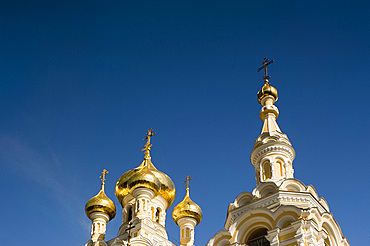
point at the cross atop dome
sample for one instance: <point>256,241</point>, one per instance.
<point>187,181</point>
<point>265,63</point>
<point>150,133</point>
<point>105,172</point>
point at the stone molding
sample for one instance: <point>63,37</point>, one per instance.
<point>298,199</point>
<point>270,148</point>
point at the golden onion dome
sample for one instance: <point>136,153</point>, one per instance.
<point>267,90</point>
<point>187,208</point>
<point>168,190</point>
<point>101,203</point>
<point>140,177</point>
<point>148,176</point>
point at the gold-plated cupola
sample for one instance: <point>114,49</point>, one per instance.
<point>187,208</point>
<point>146,176</point>
<point>100,202</point>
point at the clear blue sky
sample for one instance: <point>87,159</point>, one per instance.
<point>81,82</point>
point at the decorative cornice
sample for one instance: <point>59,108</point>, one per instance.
<point>298,199</point>
<point>263,150</point>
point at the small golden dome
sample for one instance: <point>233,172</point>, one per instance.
<point>101,203</point>
<point>187,208</point>
<point>267,90</point>
<point>148,176</point>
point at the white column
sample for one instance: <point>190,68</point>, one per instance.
<point>143,198</point>
<point>187,226</point>
<point>98,227</point>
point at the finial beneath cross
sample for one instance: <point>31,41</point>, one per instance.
<point>187,180</point>
<point>105,172</point>
<point>265,63</point>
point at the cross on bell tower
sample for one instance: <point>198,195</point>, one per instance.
<point>265,63</point>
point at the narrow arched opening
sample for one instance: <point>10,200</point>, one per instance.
<point>280,169</point>
<point>129,214</point>
<point>267,174</point>
<point>157,215</point>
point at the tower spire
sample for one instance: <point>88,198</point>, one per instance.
<point>272,153</point>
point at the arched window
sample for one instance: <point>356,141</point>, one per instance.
<point>157,215</point>
<point>257,238</point>
<point>266,167</point>
<point>280,168</point>
<point>129,214</point>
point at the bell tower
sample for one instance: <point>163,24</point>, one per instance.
<point>281,210</point>
<point>272,154</point>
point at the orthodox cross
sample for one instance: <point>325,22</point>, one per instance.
<point>150,133</point>
<point>103,176</point>
<point>265,63</point>
<point>130,226</point>
<point>188,178</point>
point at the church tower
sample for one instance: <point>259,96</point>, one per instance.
<point>281,210</point>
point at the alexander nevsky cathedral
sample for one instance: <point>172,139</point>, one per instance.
<point>280,211</point>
